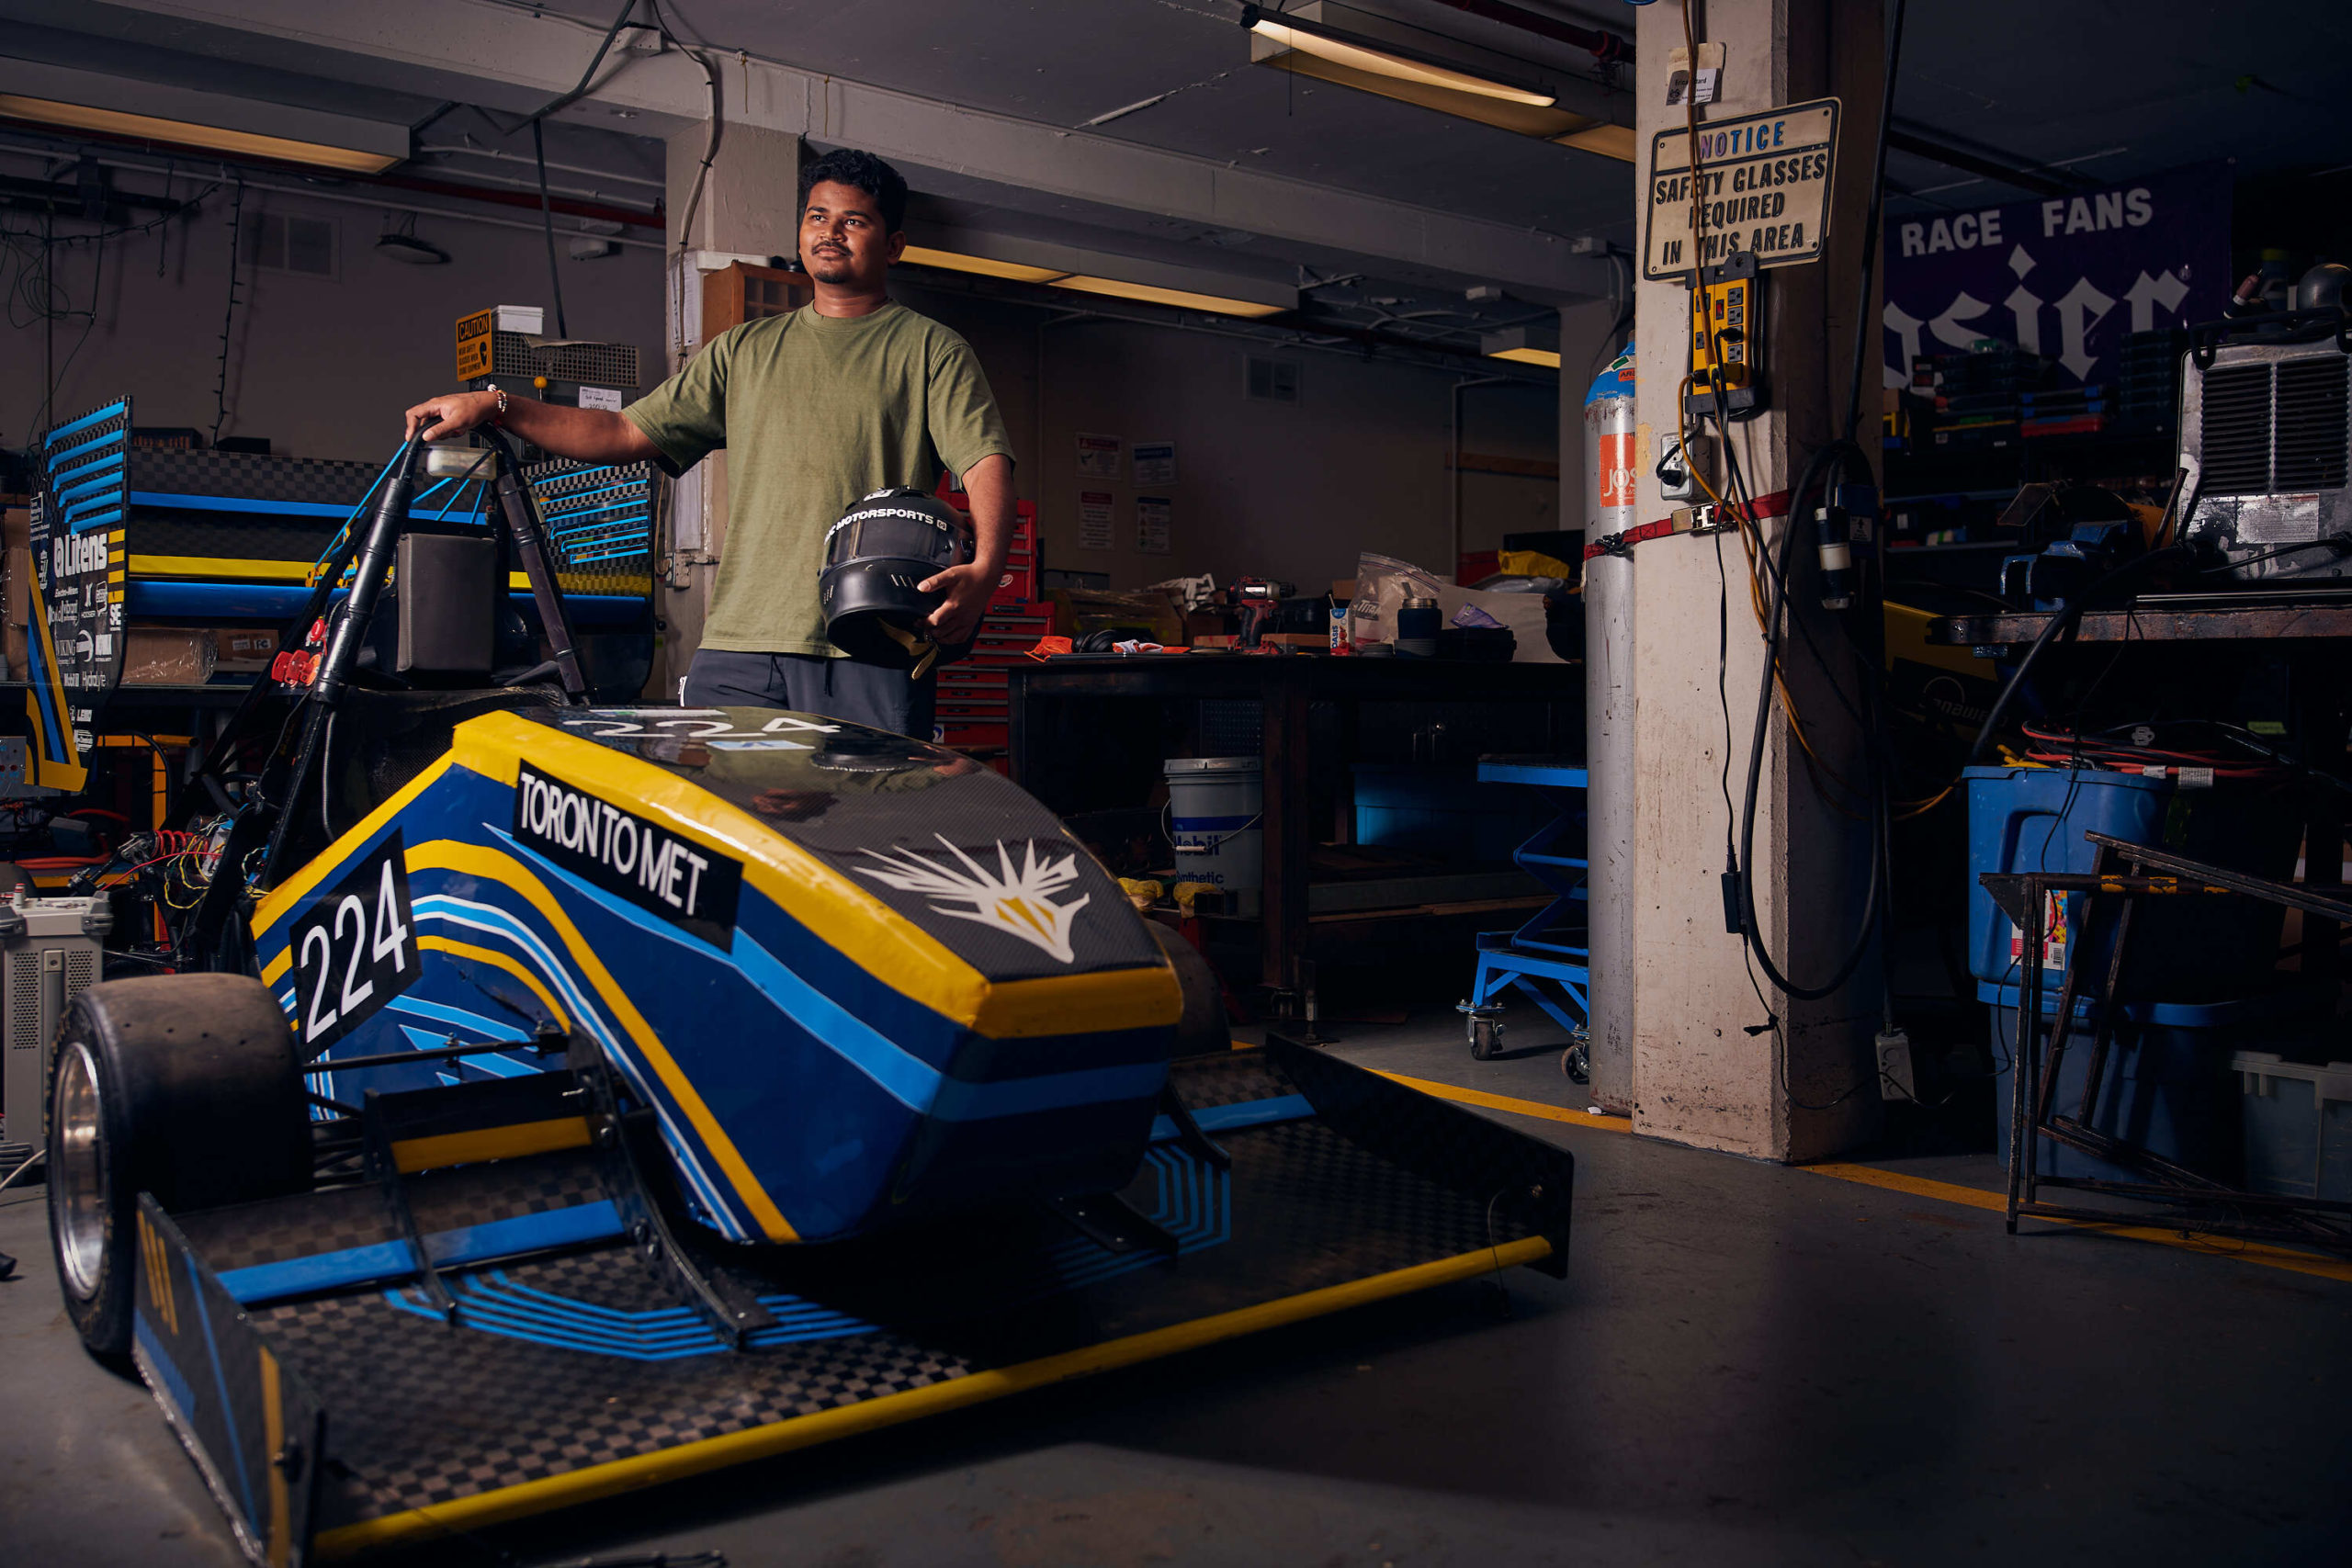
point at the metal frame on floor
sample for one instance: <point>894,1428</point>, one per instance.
<point>2124,874</point>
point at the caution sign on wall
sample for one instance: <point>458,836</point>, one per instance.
<point>1763,185</point>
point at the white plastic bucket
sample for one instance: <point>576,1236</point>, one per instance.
<point>1216,812</point>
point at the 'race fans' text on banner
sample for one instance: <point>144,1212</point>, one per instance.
<point>2067,276</point>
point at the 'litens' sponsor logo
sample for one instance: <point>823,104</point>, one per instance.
<point>690,885</point>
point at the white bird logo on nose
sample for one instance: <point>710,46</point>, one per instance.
<point>1016,900</point>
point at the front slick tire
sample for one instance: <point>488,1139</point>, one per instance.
<point>185,1085</point>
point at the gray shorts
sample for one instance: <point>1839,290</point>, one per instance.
<point>843,689</point>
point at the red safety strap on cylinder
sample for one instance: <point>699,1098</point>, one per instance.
<point>1766,508</point>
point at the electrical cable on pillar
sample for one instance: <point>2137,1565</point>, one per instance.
<point>1860,605</point>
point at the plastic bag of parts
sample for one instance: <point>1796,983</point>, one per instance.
<point>1383,584</point>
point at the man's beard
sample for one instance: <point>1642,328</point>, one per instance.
<point>832,269</point>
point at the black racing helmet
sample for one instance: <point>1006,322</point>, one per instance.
<point>875,556</point>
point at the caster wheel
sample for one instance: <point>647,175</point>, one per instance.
<point>1577,1062</point>
<point>1486,1038</point>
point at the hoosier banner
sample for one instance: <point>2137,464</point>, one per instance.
<point>2065,277</point>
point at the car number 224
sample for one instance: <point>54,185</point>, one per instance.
<point>687,724</point>
<point>354,948</point>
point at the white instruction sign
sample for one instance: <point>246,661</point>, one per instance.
<point>1151,523</point>
<point>1155,463</point>
<point>606,398</point>
<point>1094,519</point>
<point>1762,186</point>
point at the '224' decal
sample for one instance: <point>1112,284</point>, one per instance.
<point>354,948</point>
<point>691,724</point>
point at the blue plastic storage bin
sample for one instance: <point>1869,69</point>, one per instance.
<point>2182,949</point>
<point>2169,1086</point>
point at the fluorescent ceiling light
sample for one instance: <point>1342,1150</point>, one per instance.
<point>1341,48</point>
<point>67,98</point>
<point>1609,140</point>
<point>211,137</point>
<point>1525,345</point>
<point>986,267</point>
<point>1180,299</point>
<point>1093,283</point>
<point>1304,44</point>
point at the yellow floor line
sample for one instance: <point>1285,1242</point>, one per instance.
<point>2187,1241</point>
<point>1922,1187</point>
<point>1505,1102</point>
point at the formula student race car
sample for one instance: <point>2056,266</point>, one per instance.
<point>533,1101</point>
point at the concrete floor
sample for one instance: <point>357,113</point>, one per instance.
<point>1747,1365</point>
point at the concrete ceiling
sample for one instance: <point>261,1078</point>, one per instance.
<point>1065,63</point>
<point>2116,89</point>
<point>2099,89</point>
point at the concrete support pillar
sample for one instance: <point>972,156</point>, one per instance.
<point>749,206</point>
<point>1805,1087</point>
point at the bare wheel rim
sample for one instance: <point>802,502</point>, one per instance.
<point>80,1172</point>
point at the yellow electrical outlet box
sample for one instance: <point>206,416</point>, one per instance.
<point>1726,340</point>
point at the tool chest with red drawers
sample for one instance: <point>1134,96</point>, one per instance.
<point>974,707</point>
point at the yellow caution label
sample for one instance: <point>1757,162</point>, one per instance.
<point>474,338</point>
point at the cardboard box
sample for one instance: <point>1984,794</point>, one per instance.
<point>244,652</point>
<point>169,656</point>
<point>17,528</point>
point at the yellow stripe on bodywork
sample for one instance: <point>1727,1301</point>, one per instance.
<point>494,865</point>
<point>510,1142</point>
<point>848,916</point>
<point>826,1426</point>
<point>298,887</point>
<point>497,960</point>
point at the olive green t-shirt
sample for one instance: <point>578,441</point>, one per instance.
<point>814,411</point>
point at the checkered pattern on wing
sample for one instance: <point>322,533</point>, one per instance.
<point>1229,1078</point>
<point>1446,1144</point>
<point>422,1414</point>
<point>1339,1201</point>
<point>611,1277</point>
<point>250,475</point>
<point>278,1228</point>
<point>425,1414</point>
<point>460,1196</point>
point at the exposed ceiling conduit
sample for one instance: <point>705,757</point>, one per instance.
<point>1607,47</point>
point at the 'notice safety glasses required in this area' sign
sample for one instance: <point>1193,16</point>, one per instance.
<point>1764,183</point>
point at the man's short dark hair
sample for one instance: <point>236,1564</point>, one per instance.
<point>870,174</point>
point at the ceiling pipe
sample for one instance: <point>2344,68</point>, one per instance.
<point>2039,182</point>
<point>1607,47</point>
<point>199,157</point>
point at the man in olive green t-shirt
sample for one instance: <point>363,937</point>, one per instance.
<point>845,396</point>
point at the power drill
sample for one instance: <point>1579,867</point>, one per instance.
<point>1256,599</point>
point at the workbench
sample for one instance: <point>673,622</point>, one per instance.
<point>2166,621</point>
<point>1286,687</point>
<point>2310,631</point>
